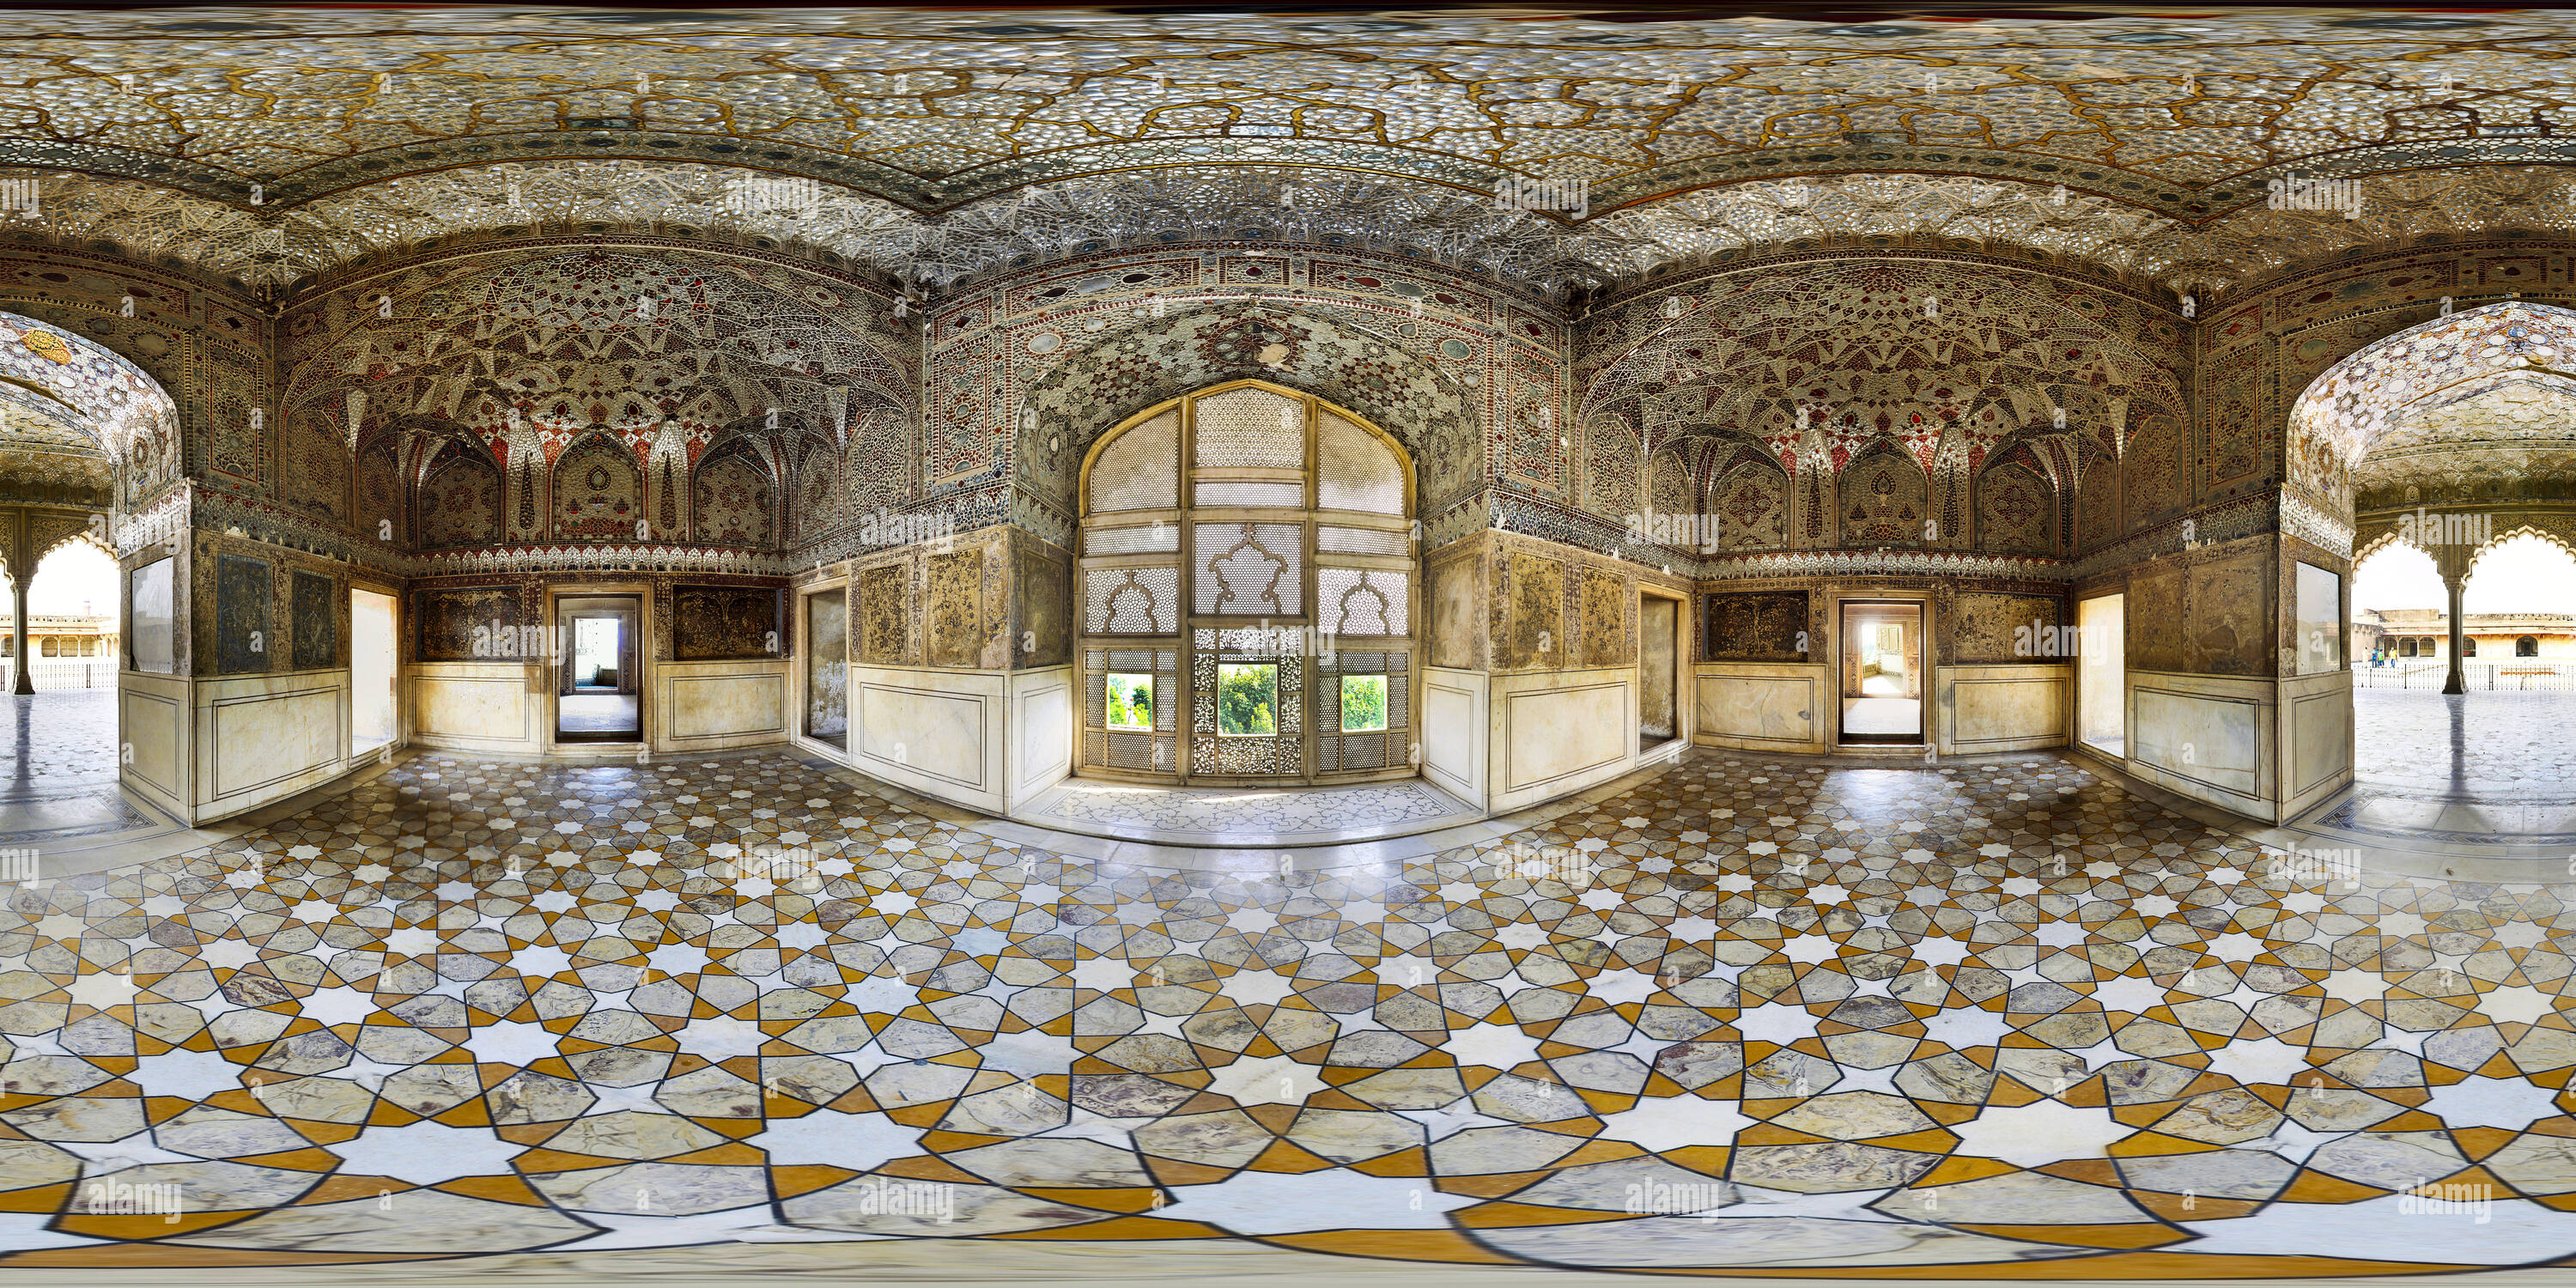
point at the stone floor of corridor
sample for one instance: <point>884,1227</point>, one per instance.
<point>2000,1021</point>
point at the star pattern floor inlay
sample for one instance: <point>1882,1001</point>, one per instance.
<point>1753,1016</point>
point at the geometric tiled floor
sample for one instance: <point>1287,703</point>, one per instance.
<point>2001,1019</point>
<point>1240,817</point>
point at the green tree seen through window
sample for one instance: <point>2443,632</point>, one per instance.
<point>1363,703</point>
<point>1131,702</point>
<point>1247,698</point>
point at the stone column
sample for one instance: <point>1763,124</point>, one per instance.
<point>26,681</point>
<point>2458,585</point>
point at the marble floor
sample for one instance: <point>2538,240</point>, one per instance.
<point>2474,769</point>
<point>1995,1020</point>
<point>1236,816</point>
<point>596,714</point>
<point>58,771</point>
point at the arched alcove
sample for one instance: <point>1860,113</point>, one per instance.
<point>1248,592</point>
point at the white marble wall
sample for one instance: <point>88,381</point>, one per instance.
<point>706,705</point>
<point>1452,712</point>
<point>1764,706</point>
<point>476,706</point>
<point>1555,732</point>
<point>2002,707</point>
<point>153,723</point>
<point>2316,739</point>
<point>1041,711</point>
<point>2208,737</point>
<point>937,732</point>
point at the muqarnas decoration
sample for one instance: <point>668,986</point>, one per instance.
<point>1758,626</point>
<point>726,622</point>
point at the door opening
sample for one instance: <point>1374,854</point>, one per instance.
<point>598,697</point>
<point>371,671</point>
<point>2101,675</point>
<point>1658,651</point>
<point>1882,672</point>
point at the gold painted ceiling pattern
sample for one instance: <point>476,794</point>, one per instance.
<point>729,204</point>
<point>936,107</point>
<point>270,145</point>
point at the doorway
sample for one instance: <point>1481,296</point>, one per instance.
<point>1882,672</point>
<point>2101,675</point>
<point>1658,652</point>
<point>371,671</point>
<point>597,695</point>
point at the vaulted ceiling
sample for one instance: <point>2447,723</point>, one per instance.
<point>273,144</point>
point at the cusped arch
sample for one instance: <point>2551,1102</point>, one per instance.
<point>2527,528</point>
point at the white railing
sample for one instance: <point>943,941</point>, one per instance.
<point>53,673</point>
<point>2481,675</point>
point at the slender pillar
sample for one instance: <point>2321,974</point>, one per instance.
<point>26,681</point>
<point>2459,587</point>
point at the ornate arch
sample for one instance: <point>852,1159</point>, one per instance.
<point>595,492</point>
<point>96,393</point>
<point>1431,415</point>
<point>733,496</point>
<point>2565,541</point>
<point>2346,408</point>
<point>1905,349</point>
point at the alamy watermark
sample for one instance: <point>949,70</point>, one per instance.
<point>2334,867</point>
<point>2301,192</point>
<point>163,1199</point>
<point>883,528</point>
<point>22,198</point>
<point>2426,531</point>
<point>17,865</point>
<point>2045,639</point>
<point>2472,1199</point>
<point>1562,196</point>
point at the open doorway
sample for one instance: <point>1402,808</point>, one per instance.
<point>598,697</point>
<point>1882,672</point>
<point>1658,652</point>
<point>371,671</point>
<point>2102,675</point>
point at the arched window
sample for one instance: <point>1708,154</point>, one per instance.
<point>2527,646</point>
<point>1247,592</point>
<point>2406,646</point>
<point>2468,647</point>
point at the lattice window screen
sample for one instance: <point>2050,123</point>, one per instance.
<point>1251,427</point>
<point>1245,570</point>
<point>1281,753</point>
<point>1249,569</point>
<point>1290,496</point>
<point>1105,748</point>
<point>1373,749</point>
<point>1361,541</point>
<point>1131,601</point>
<point>1354,470</point>
<point>1362,601</point>
<point>1140,469</point>
<point>1146,539</point>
